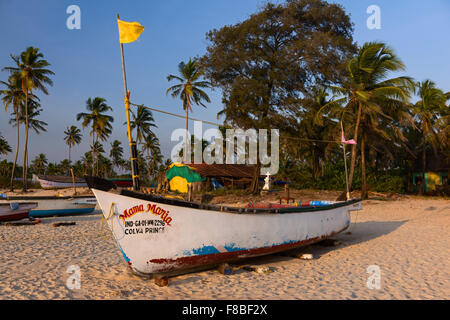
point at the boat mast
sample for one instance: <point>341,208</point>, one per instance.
<point>133,150</point>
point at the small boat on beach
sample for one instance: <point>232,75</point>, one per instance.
<point>55,182</point>
<point>48,206</point>
<point>159,235</point>
<point>13,211</point>
<point>121,182</point>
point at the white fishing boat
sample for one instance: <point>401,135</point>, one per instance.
<point>55,182</point>
<point>161,235</point>
<point>48,206</point>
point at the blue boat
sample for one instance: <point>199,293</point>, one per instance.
<point>49,206</point>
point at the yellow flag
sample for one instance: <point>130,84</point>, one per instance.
<point>129,31</point>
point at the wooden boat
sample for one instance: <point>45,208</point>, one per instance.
<point>121,182</point>
<point>48,206</point>
<point>161,235</point>
<point>54,182</point>
<point>12,211</point>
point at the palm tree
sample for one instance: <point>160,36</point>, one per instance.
<point>189,89</point>
<point>316,129</point>
<point>116,153</point>
<point>367,92</point>
<point>427,112</point>
<point>13,96</point>
<point>142,121</point>
<point>39,163</point>
<point>151,146</point>
<point>4,146</point>
<point>72,138</point>
<point>34,110</point>
<point>32,72</point>
<point>99,122</point>
<point>98,150</point>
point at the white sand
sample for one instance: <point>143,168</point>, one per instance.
<point>409,239</point>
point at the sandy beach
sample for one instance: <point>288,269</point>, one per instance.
<point>407,237</point>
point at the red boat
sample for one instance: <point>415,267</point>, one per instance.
<point>16,211</point>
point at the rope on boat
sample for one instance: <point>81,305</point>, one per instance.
<point>106,220</point>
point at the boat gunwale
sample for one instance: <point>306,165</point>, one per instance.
<point>31,198</point>
<point>20,204</point>
<point>238,210</point>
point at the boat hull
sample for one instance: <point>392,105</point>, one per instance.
<point>157,237</point>
<point>56,182</point>
<point>57,206</point>
<point>8,214</point>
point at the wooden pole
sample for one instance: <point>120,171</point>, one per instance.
<point>132,144</point>
<point>73,182</point>
<point>345,165</point>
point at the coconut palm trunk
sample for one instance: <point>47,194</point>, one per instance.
<point>363,169</point>
<point>343,195</point>
<point>93,153</point>
<point>24,169</point>
<point>186,143</point>
<point>69,160</point>
<point>11,185</point>
<point>424,165</point>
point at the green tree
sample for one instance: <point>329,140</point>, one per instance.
<point>39,164</point>
<point>427,111</point>
<point>188,89</point>
<point>316,131</point>
<point>116,153</point>
<point>4,146</point>
<point>38,126</point>
<point>142,121</point>
<point>72,138</point>
<point>32,72</point>
<point>368,94</point>
<point>15,97</point>
<point>98,150</point>
<point>151,146</point>
<point>97,120</point>
<point>267,63</point>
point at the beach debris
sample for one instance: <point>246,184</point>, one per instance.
<point>225,269</point>
<point>329,243</point>
<point>261,270</point>
<point>306,256</point>
<point>161,281</point>
<point>59,224</point>
<point>348,232</point>
<point>23,223</point>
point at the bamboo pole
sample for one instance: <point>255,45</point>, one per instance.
<point>345,165</point>
<point>133,153</point>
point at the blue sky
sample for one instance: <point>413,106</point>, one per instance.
<point>87,64</point>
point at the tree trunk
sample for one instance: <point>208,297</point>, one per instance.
<point>24,169</point>
<point>93,153</point>
<point>424,162</point>
<point>254,187</point>
<point>187,133</point>
<point>343,195</point>
<point>363,170</point>
<point>69,159</point>
<point>11,185</point>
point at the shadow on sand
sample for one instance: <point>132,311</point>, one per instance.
<point>359,232</point>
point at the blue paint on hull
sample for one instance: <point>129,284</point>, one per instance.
<point>59,212</point>
<point>206,250</point>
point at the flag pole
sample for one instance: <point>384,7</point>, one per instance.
<point>345,165</point>
<point>133,150</point>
